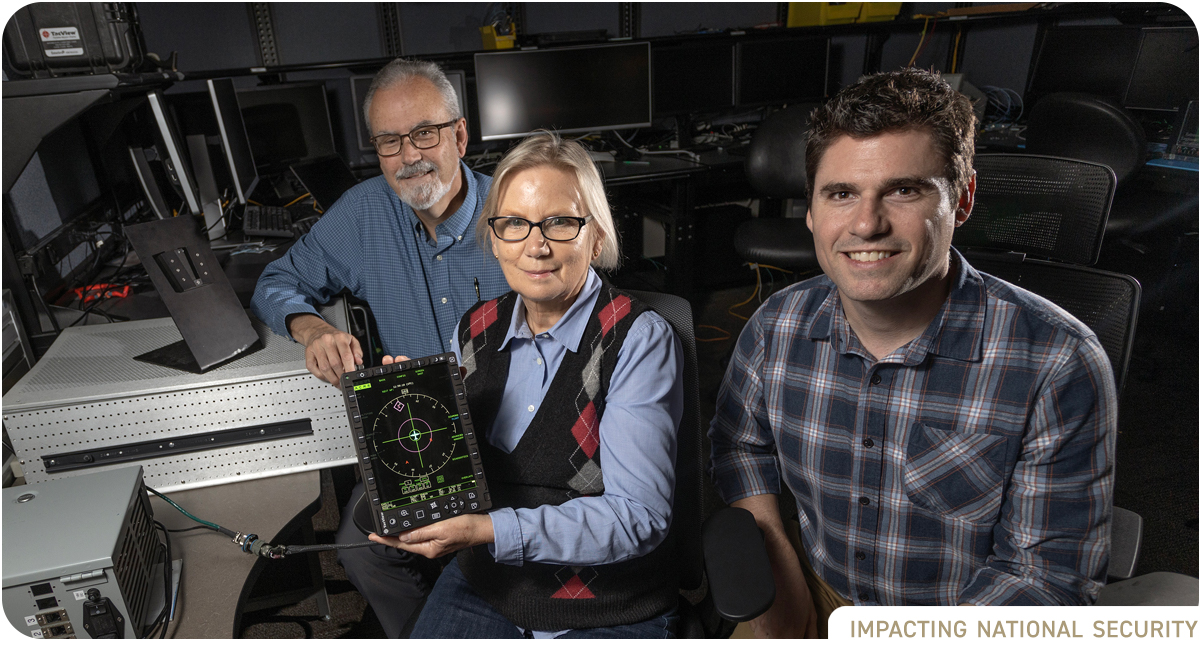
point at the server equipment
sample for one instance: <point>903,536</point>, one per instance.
<point>81,557</point>
<point>87,405</point>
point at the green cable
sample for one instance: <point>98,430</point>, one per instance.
<point>181,510</point>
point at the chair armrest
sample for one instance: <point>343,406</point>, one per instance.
<point>735,560</point>
<point>1126,546</point>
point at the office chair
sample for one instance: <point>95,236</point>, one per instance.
<point>775,169</point>
<point>1093,128</point>
<point>725,546</point>
<point>1054,210</point>
<point>1039,222</point>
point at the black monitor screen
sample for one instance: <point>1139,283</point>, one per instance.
<point>1164,77</point>
<point>693,77</point>
<point>568,89</point>
<point>286,124</point>
<point>1095,60</point>
<point>234,141</point>
<point>782,70</point>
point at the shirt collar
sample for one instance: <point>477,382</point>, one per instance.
<point>568,331</point>
<point>456,225</point>
<point>955,332</point>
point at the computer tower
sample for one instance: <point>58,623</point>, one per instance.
<point>87,533</point>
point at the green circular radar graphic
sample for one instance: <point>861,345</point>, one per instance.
<point>414,435</point>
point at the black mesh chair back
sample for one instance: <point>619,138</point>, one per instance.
<point>1087,127</point>
<point>688,514</point>
<point>1043,206</point>
<point>1105,302</point>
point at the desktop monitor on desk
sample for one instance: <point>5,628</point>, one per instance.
<point>171,154</point>
<point>775,71</point>
<point>1093,59</point>
<point>695,76</point>
<point>571,90</point>
<point>234,140</point>
<point>286,124</point>
<point>1164,75</point>
<point>218,149</point>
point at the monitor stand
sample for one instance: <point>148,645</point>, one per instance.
<point>192,285</point>
<point>179,356</point>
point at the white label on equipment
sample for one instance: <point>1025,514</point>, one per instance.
<point>61,41</point>
<point>36,634</point>
<point>31,620</point>
<point>79,595</point>
<point>59,33</point>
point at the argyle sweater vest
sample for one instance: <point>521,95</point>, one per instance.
<point>557,459</point>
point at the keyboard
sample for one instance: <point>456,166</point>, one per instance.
<point>267,221</point>
<point>303,225</point>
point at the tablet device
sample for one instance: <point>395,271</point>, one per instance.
<point>415,442</point>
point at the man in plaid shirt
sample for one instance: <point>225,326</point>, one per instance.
<point>948,437</point>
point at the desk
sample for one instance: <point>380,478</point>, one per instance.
<point>217,576</point>
<point>680,175</point>
<point>680,227</point>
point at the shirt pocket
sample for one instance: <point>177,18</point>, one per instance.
<point>955,475</point>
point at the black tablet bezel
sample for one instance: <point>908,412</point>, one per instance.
<point>419,514</point>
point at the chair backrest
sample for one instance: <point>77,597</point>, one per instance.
<point>1087,127</point>
<point>1043,206</point>
<point>775,158</point>
<point>1105,302</point>
<point>688,513</point>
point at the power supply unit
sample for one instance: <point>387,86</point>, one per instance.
<point>81,557</point>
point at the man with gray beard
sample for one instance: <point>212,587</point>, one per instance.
<point>404,243</point>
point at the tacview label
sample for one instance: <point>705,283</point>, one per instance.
<point>61,41</point>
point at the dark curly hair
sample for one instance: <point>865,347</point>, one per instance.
<point>896,101</point>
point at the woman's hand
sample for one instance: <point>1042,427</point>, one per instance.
<point>443,538</point>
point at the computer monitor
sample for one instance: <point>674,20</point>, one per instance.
<point>693,77</point>
<point>1093,59</point>
<point>171,154</point>
<point>772,71</point>
<point>214,115</point>
<point>286,124</point>
<point>1164,75</point>
<point>359,85</point>
<point>572,90</point>
<point>233,137</point>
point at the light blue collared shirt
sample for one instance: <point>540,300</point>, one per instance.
<point>637,441</point>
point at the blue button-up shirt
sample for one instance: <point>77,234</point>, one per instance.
<point>972,465</point>
<point>637,441</point>
<point>372,243</point>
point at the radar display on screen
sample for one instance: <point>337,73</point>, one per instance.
<point>415,442</point>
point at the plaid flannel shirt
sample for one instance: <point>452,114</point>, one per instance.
<point>972,465</point>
